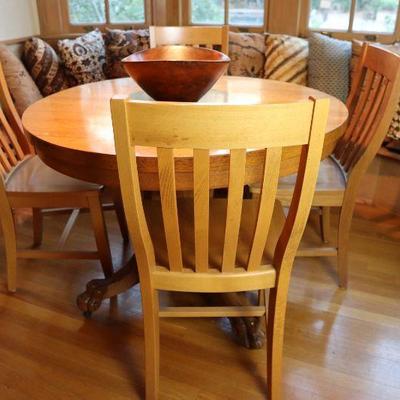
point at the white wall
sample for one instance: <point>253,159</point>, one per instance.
<point>18,18</point>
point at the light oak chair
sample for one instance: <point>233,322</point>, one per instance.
<point>216,245</point>
<point>26,182</point>
<point>372,104</point>
<point>208,36</point>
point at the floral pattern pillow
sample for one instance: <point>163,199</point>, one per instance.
<point>84,58</point>
<point>120,44</point>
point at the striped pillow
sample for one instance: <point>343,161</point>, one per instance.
<point>44,66</point>
<point>286,58</point>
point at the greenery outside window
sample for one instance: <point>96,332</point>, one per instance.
<point>100,12</point>
<point>244,13</point>
<point>374,17</point>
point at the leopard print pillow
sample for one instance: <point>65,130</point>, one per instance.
<point>84,58</point>
<point>247,53</point>
<point>120,44</point>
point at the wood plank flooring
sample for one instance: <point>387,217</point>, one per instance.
<point>338,344</point>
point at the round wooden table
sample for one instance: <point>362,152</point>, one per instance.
<point>72,130</point>
<point>72,133</point>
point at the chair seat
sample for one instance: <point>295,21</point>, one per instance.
<point>199,282</point>
<point>329,191</point>
<point>32,175</point>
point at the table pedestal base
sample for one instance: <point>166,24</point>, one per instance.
<point>248,331</point>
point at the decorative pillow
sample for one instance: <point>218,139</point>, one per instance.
<point>247,53</point>
<point>84,57</point>
<point>286,58</point>
<point>120,44</point>
<point>394,129</point>
<point>329,65</point>
<point>45,67</point>
<point>22,88</point>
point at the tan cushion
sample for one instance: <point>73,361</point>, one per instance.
<point>84,57</point>
<point>23,89</point>
<point>247,53</point>
<point>286,58</point>
<point>330,178</point>
<point>120,44</point>
<point>45,66</point>
<point>34,176</point>
<point>329,191</point>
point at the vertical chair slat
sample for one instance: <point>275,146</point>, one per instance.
<point>4,152</point>
<point>17,154</point>
<point>344,140</point>
<point>201,194</point>
<point>237,170</point>
<point>370,100</point>
<point>166,170</point>
<point>267,200</point>
<point>3,172</point>
<point>369,127</point>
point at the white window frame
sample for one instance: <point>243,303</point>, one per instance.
<point>349,33</point>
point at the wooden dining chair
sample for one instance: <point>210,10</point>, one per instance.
<point>203,244</point>
<point>208,36</point>
<point>372,103</point>
<point>26,182</point>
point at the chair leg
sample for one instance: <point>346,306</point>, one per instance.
<point>151,340</point>
<point>275,333</point>
<point>37,221</point>
<point>100,233</point>
<point>325,221</point>
<point>345,218</point>
<point>119,210</point>
<point>10,244</point>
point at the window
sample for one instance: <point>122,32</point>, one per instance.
<point>233,12</point>
<point>96,12</point>
<point>363,16</point>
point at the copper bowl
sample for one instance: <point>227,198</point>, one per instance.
<point>176,73</point>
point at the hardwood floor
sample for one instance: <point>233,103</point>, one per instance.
<point>338,344</point>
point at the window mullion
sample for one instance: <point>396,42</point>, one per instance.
<point>352,12</point>
<point>107,8</point>
<point>396,33</point>
<point>226,19</point>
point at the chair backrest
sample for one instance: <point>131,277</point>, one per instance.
<point>11,152</point>
<point>168,126</point>
<point>372,104</point>
<point>216,37</point>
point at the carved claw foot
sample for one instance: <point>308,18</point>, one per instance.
<point>248,332</point>
<point>98,290</point>
<point>90,300</point>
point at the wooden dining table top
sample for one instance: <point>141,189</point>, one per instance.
<point>72,130</point>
